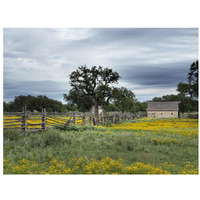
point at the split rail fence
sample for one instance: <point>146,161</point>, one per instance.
<point>24,121</point>
<point>31,122</point>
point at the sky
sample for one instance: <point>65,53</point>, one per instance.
<point>150,61</point>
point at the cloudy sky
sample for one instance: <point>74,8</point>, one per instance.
<point>151,62</point>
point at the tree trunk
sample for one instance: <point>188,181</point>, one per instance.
<point>103,112</point>
<point>123,115</point>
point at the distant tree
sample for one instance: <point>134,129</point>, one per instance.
<point>193,79</point>
<point>138,106</point>
<point>6,107</point>
<point>105,94</point>
<point>170,97</point>
<point>157,99</point>
<point>69,107</point>
<point>19,102</point>
<point>93,83</point>
<point>191,87</point>
<point>141,106</point>
<point>112,107</point>
<point>84,103</point>
<point>33,103</point>
<point>124,99</point>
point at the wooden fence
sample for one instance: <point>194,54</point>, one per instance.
<point>21,121</point>
<point>28,122</point>
<point>190,115</point>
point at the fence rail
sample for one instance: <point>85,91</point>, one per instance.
<point>24,121</point>
<point>30,122</point>
<point>190,115</point>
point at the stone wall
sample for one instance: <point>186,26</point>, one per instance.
<point>163,114</point>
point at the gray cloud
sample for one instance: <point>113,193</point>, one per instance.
<point>152,59</point>
<point>164,75</point>
<point>51,89</point>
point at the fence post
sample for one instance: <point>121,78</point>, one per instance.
<point>90,120</point>
<point>83,120</point>
<point>188,114</point>
<point>74,118</point>
<point>23,124</point>
<point>115,121</point>
<point>93,119</point>
<point>112,119</point>
<point>108,119</point>
<point>102,120</point>
<point>44,119</point>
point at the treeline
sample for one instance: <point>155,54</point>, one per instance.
<point>37,103</point>
<point>136,107</point>
<point>32,104</point>
<point>112,107</point>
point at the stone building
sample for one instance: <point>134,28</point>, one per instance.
<point>163,109</point>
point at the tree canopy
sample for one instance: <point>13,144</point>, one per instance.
<point>94,84</point>
<point>32,103</point>
<point>84,103</point>
<point>191,87</point>
<point>124,99</point>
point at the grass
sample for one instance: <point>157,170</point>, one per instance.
<point>123,148</point>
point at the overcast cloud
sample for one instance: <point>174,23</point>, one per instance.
<point>151,62</point>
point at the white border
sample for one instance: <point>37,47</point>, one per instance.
<point>101,14</point>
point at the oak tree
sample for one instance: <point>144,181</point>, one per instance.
<point>124,99</point>
<point>94,83</point>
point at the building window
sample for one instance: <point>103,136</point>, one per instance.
<point>161,113</point>
<point>171,113</point>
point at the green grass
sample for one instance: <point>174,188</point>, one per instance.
<point>91,142</point>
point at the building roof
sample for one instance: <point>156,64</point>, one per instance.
<point>164,105</point>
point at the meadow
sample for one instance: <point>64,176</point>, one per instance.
<point>140,146</point>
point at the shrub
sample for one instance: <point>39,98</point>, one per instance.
<point>163,141</point>
<point>12,134</point>
<point>52,138</point>
<point>34,141</point>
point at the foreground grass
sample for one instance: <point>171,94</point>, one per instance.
<point>137,147</point>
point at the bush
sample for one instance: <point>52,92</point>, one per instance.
<point>163,141</point>
<point>77,128</point>
<point>34,141</point>
<point>107,123</point>
<point>52,138</point>
<point>12,134</point>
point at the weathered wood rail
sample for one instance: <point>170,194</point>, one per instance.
<point>25,120</point>
<point>23,124</point>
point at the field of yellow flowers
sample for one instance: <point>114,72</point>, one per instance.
<point>141,146</point>
<point>187,127</point>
